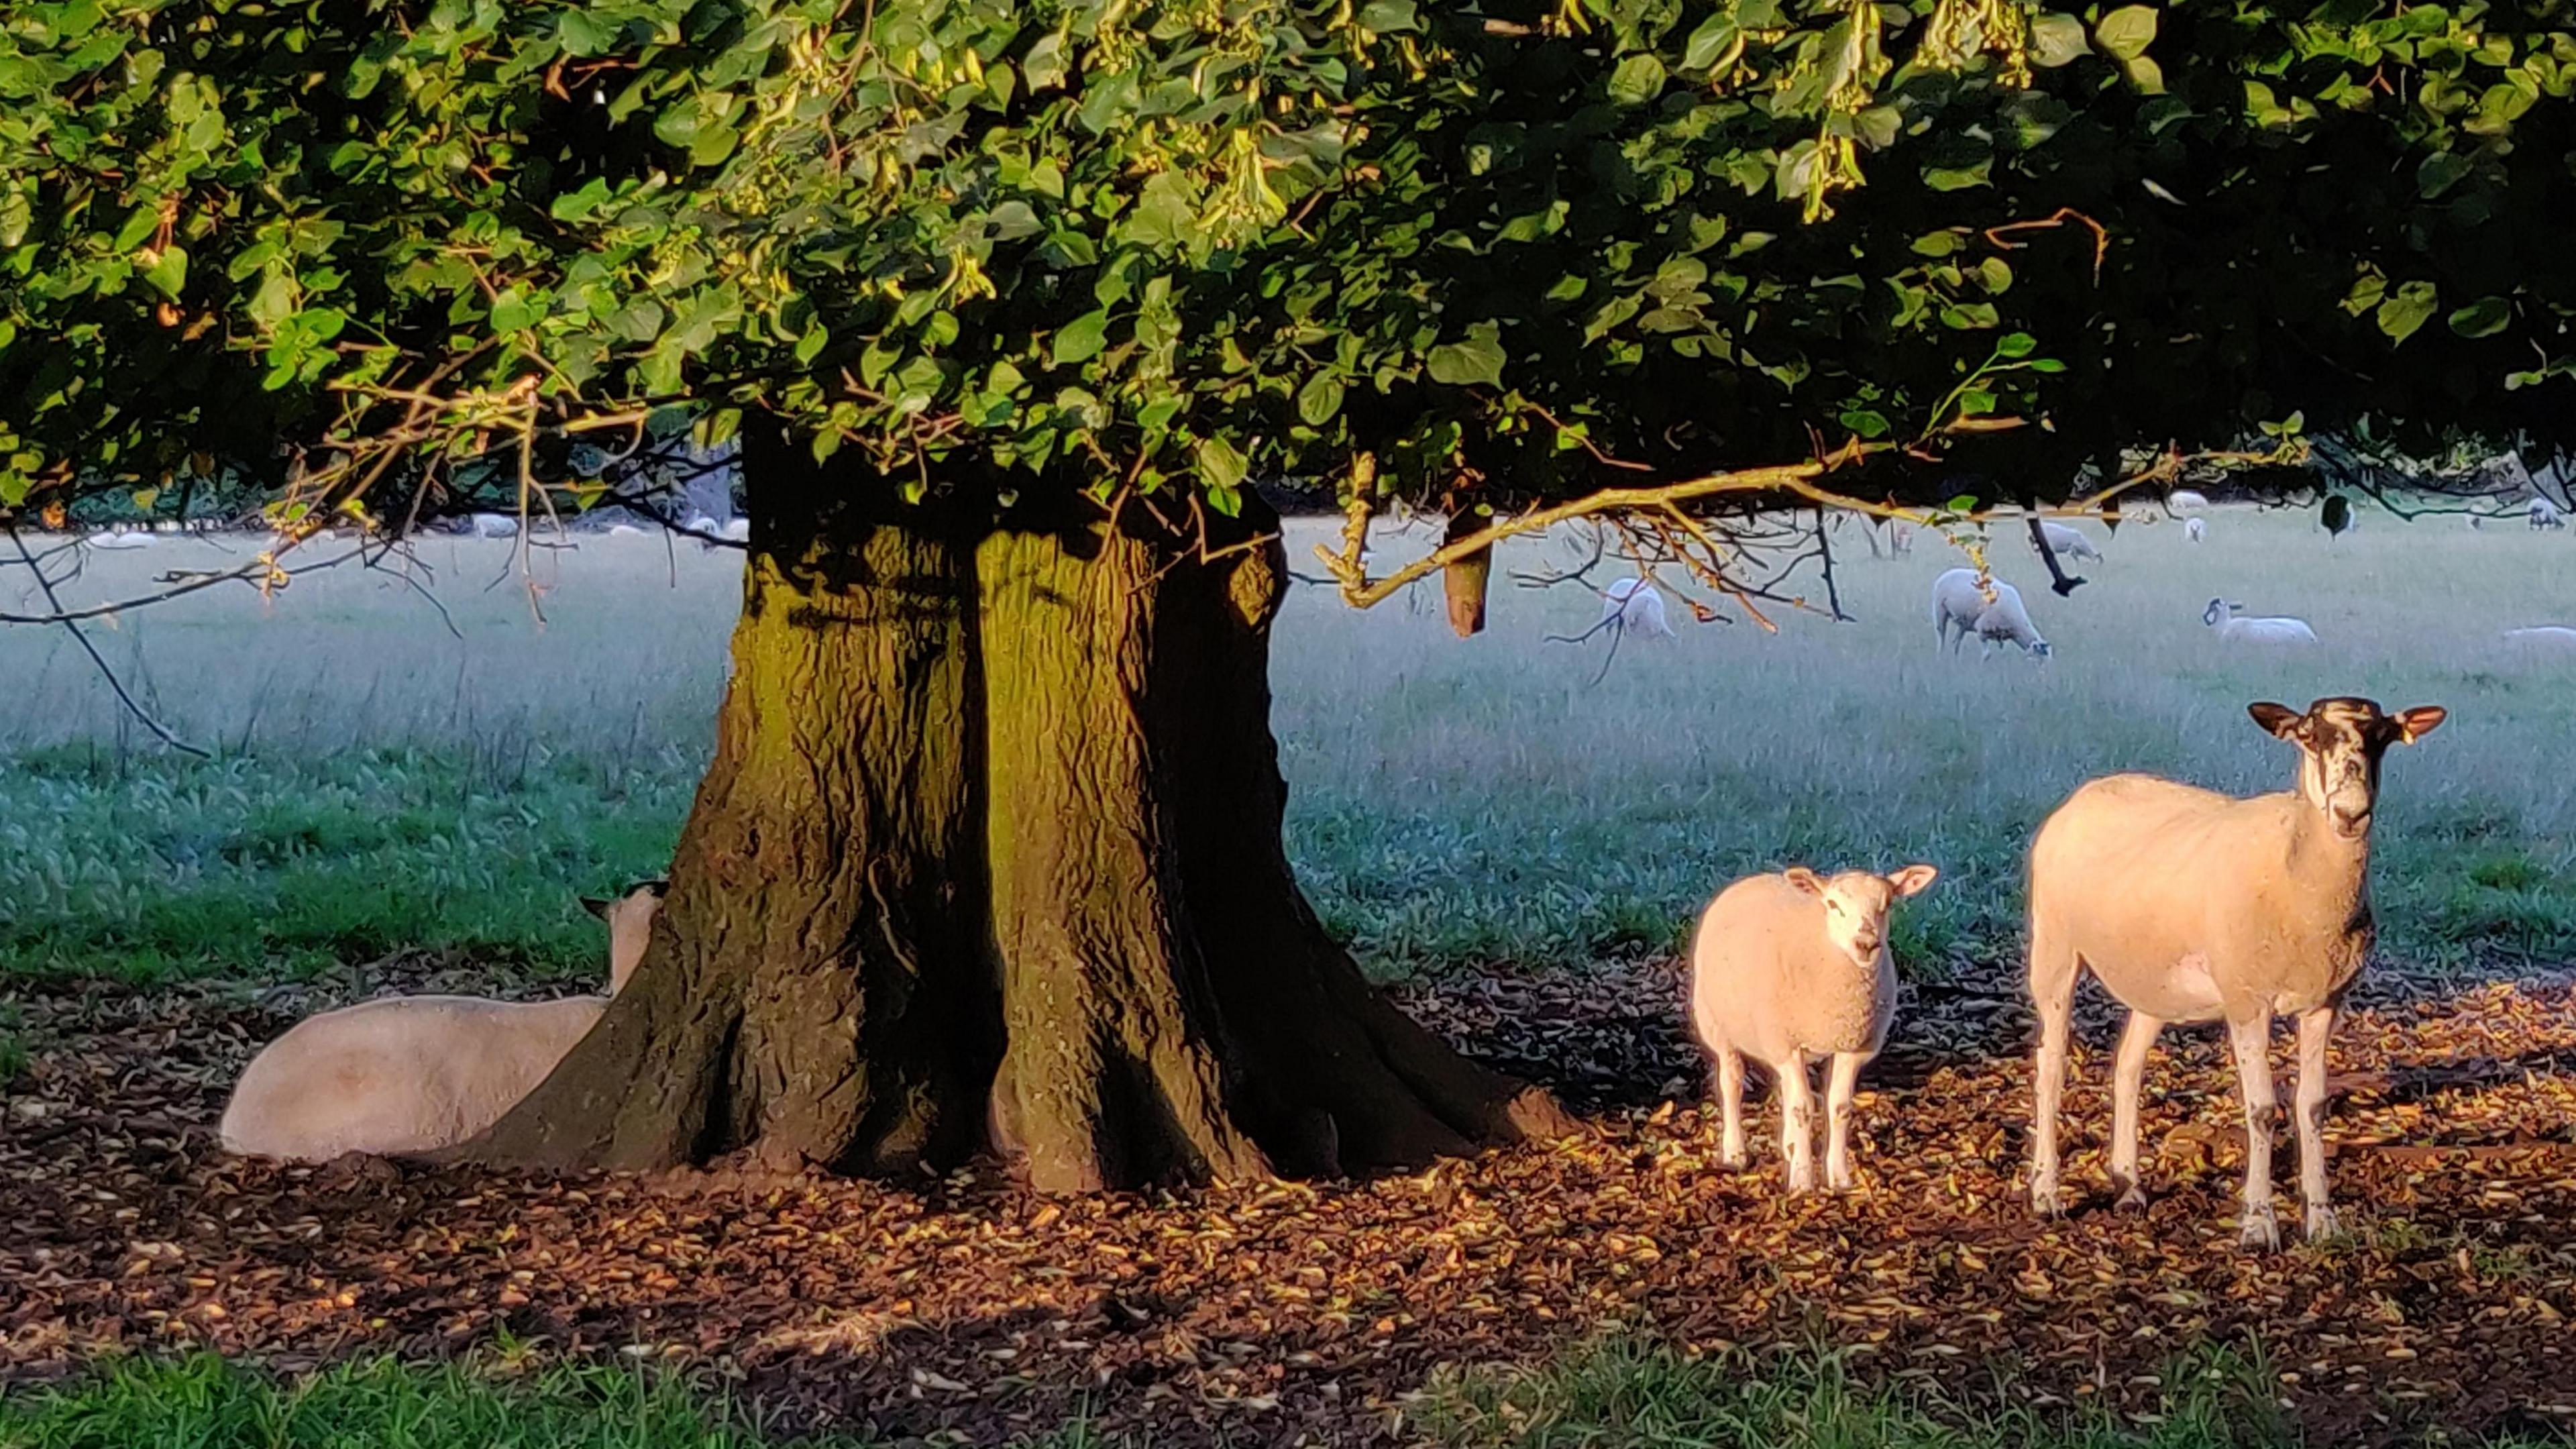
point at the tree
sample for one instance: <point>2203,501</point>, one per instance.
<point>1006,303</point>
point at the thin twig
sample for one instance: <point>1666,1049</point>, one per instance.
<point>133,706</point>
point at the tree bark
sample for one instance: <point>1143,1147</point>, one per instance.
<point>990,857</point>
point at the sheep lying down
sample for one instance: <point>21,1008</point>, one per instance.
<point>413,1074</point>
<point>1791,969</point>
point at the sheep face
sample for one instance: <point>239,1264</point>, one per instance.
<point>630,925</point>
<point>2340,742</point>
<point>1856,905</point>
<point>2217,612</point>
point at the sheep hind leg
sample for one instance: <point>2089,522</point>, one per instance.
<point>2128,1073</point>
<point>2251,1038</point>
<point>1730,1105</point>
<point>1798,1122</point>
<point>2052,993</point>
<point>1838,1118</point>
<point>2314,1027</point>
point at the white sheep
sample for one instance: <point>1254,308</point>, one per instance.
<point>2545,514</point>
<point>1791,969</point>
<point>1637,605</point>
<point>2067,542</point>
<point>2185,500</point>
<point>120,538</point>
<point>492,525</point>
<point>2195,529</point>
<point>624,530</point>
<point>2189,905</point>
<point>2222,617</point>
<point>1959,603</point>
<point>2550,635</point>
<point>735,530</point>
<point>412,1074</point>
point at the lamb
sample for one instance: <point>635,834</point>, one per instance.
<point>2558,635</point>
<point>2221,615</point>
<point>2067,542</point>
<point>1958,602</point>
<point>412,1074</point>
<point>491,525</point>
<point>2185,500</point>
<point>2545,514</point>
<point>1790,969</point>
<point>2195,528</point>
<point>2188,905</point>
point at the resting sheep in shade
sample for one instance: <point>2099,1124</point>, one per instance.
<point>1792,969</point>
<point>2190,905</point>
<point>412,1074</point>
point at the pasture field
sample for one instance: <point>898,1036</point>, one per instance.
<point>1511,834</point>
<point>387,784</point>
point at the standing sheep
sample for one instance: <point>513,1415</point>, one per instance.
<point>2194,906</point>
<point>1790,969</point>
<point>413,1074</point>
<point>1959,603</point>
<point>2545,514</point>
<point>2067,542</point>
<point>2195,528</point>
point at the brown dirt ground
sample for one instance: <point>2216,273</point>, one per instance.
<point>963,1309</point>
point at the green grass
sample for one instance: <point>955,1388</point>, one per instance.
<point>1455,803</point>
<point>205,1402</point>
<point>1629,1391</point>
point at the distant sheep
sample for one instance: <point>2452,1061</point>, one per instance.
<point>1958,603</point>
<point>121,538</point>
<point>491,525</point>
<point>2067,542</point>
<point>1791,969</point>
<point>413,1074</point>
<point>2545,514</point>
<point>735,530</point>
<point>2548,635</point>
<point>2221,616</point>
<point>1635,604</point>
<point>624,530</point>
<point>2195,528</point>
<point>2184,500</point>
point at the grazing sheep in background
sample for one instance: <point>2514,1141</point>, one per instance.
<point>1791,969</point>
<point>2189,905</point>
<point>117,538</point>
<point>411,1074</point>
<point>2067,542</point>
<point>1958,603</point>
<point>624,530</point>
<point>2185,500</point>
<point>735,530</point>
<point>2558,635</point>
<point>2545,514</point>
<point>2221,616</point>
<point>491,525</point>
<point>1637,605</point>
<point>2195,528</point>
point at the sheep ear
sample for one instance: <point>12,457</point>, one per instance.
<point>1914,880</point>
<point>595,906</point>
<point>1805,880</point>
<point>2414,724</point>
<point>2279,719</point>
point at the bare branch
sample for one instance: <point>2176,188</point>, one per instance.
<point>132,705</point>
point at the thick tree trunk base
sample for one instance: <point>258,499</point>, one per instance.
<point>989,857</point>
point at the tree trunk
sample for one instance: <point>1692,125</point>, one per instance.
<point>989,856</point>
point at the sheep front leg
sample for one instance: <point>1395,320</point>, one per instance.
<point>1730,1104</point>
<point>2252,1039</point>
<point>2128,1074</point>
<point>2053,993</point>
<point>2314,1027</point>
<point>1797,1122</point>
<point>1838,1119</point>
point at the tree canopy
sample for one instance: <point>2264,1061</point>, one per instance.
<point>1523,249</point>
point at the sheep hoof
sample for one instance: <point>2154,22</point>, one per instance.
<point>2323,1225</point>
<point>2044,1202</point>
<point>1839,1182</point>
<point>2260,1230</point>
<point>2135,1199</point>
<point>1732,1160</point>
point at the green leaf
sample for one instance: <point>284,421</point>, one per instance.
<point>2126,33</point>
<point>2016,344</point>
<point>1958,178</point>
<point>575,205</point>
<point>2410,307</point>
<point>1478,359</point>
<point>582,34</point>
<point>1709,42</point>
<point>1994,275</point>
<point>1964,503</point>
<point>2056,40</point>
<point>514,311</point>
<point>1639,79</point>
<point>2045,364</point>
<point>1865,422</point>
<point>1220,466</point>
<point>2484,317</point>
<point>169,272</point>
<point>1389,17</point>
<point>1081,339</point>
<point>1319,399</point>
<point>1045,66</point>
